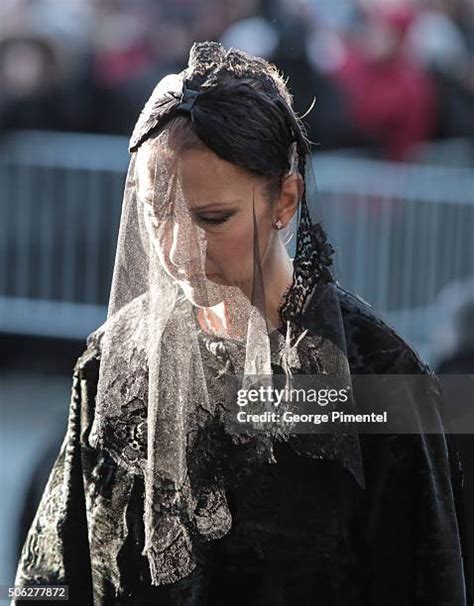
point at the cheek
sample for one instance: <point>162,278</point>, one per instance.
<point>231,251</point>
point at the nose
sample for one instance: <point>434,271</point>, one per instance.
<point>187,249</point>
<point>178,252</point>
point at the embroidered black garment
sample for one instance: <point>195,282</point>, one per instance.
<point>303,530</point>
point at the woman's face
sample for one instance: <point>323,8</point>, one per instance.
<point>206,238</point>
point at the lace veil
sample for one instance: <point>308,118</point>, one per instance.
<point>163,401</point>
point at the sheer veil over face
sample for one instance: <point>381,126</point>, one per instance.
<point>214,220</point>
<point>203,236</point>
<point>198,284</point>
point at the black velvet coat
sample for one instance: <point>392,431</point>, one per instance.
<point>304,532</point>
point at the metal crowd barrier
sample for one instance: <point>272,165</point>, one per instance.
<point>401,232</point>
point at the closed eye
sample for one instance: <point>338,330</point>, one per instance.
<point>214,219</point>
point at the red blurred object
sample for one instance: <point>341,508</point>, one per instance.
<point>398,17</point>
<point>392,101</point>
<point>114,67</point>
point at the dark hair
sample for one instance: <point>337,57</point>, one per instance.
<point>243,112</point>
<point>182,134</point>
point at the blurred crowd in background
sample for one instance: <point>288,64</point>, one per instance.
<point>386,74</point>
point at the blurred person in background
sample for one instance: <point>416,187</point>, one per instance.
<point>391,98</point>
<point>42,50</point>
<point>118,62</point>
<point>441,38</point>
<point>33,92</point>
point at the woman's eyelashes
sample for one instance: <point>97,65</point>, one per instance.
<point>213,219</point>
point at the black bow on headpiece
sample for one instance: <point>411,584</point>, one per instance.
<point>188,99</point>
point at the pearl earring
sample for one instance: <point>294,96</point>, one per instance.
<point>278,224</point>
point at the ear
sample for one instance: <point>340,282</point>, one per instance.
<point>290,195</point>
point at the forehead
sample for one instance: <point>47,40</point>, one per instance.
<point>196,175</point>
<point>155,168</point>
<point>205,178</point>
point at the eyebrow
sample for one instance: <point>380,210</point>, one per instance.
<point>215,205</point>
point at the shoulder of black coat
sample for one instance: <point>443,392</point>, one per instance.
<point>374,345</point>
<point>119,328</point>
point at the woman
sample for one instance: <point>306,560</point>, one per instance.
<point>158,495</point>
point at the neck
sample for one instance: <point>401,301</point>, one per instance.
<point>277,276</point>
